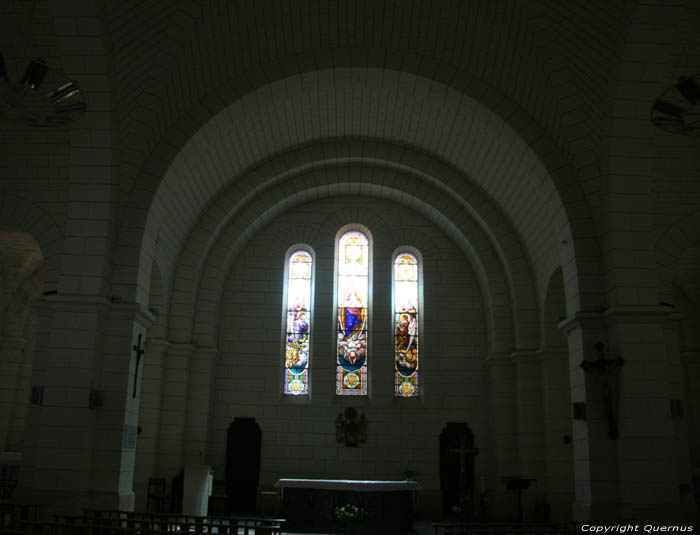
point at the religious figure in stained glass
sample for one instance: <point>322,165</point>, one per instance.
<point>352,295</point>
<point>298,335</point>
<point>406,325</point>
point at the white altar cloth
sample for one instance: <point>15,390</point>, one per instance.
<point>347,484</point>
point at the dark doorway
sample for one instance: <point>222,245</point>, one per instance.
<point>243,464</point>
<point>457,468</point>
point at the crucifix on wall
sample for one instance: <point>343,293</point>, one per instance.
<point>463,451</point>
<point>609,369</point>
<point>139,352</point>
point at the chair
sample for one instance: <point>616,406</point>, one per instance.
<point>157,495</point>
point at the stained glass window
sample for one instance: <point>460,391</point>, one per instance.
<point>353,301</point>
<point>298,333</point>
<point>406,306</point>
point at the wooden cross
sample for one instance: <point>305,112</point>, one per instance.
<point>463,451</point>
<point>139,351</point>
<point>610,370</point>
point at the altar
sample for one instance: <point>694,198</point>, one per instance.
<point>309,504</point>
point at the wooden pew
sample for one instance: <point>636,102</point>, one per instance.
<point>161,523</point>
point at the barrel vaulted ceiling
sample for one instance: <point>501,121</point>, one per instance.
<point>518,99</point>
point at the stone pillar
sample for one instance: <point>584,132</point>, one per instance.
<point>12,360</point>
<point>504,434</point>
<point>595,455</point>
<point>201,388</point>
<point>646,448</point>
<point>559,458</point>
<point>121,380</point>
<point>83,431</point>
<point>149,417</point>
<point>15,439</point>
<point>44,315</point>
<point>171,433</point>
<point>530,428</point>
<point>679,402</point>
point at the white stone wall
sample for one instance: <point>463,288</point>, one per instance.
<point>520,130</point>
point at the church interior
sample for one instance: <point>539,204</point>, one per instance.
<point>450,243</point>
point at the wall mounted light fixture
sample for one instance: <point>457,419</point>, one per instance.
<point>43,96</point>
<point>677,110</point>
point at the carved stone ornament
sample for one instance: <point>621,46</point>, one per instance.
<point>351,429</point>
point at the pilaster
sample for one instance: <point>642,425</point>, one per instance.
<point>12,358</point>
<point>171,434</point>
<point>557,431</point>
<point>504,432</point>
<point>647,446</point>
<point>201,382</point>
<point>595,456</point>
<point>149,417</point>
<point>84,425</point>
<point>530,428</point>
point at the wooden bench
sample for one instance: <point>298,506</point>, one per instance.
<point>159,523</point>
<point>236,527</point>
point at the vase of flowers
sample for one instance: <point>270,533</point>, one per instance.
<point>463,508</point>
<point>349,515</point>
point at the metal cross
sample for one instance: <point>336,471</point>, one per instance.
<point>139,351</point>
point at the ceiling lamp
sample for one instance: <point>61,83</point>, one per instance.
<point>42,97</point>
<point>678,110</point>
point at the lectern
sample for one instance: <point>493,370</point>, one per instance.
<point>198,483</point>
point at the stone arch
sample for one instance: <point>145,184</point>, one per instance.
<point>23,280</point>
<point>22,283</point>
<point>219,261</point>
<point>565,192</point>
<point>18,214</point>
<point>415,240</point>
<point>495,231</point>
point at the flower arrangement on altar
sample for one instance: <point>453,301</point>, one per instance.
<point>463,507</point>
<point>350,513</point>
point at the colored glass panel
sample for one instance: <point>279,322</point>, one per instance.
<point>406,306</point>
<point>298,332</point>
<point>352,320</point>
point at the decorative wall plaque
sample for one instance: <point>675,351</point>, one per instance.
<point>351,429</point>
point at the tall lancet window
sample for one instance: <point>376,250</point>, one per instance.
<point>353,305</point>
<point>406,335</point>
<point>298,332</point>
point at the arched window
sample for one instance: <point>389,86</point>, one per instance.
<point>352,297</point>
<point>406,323</point>
<point>298,333</point>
